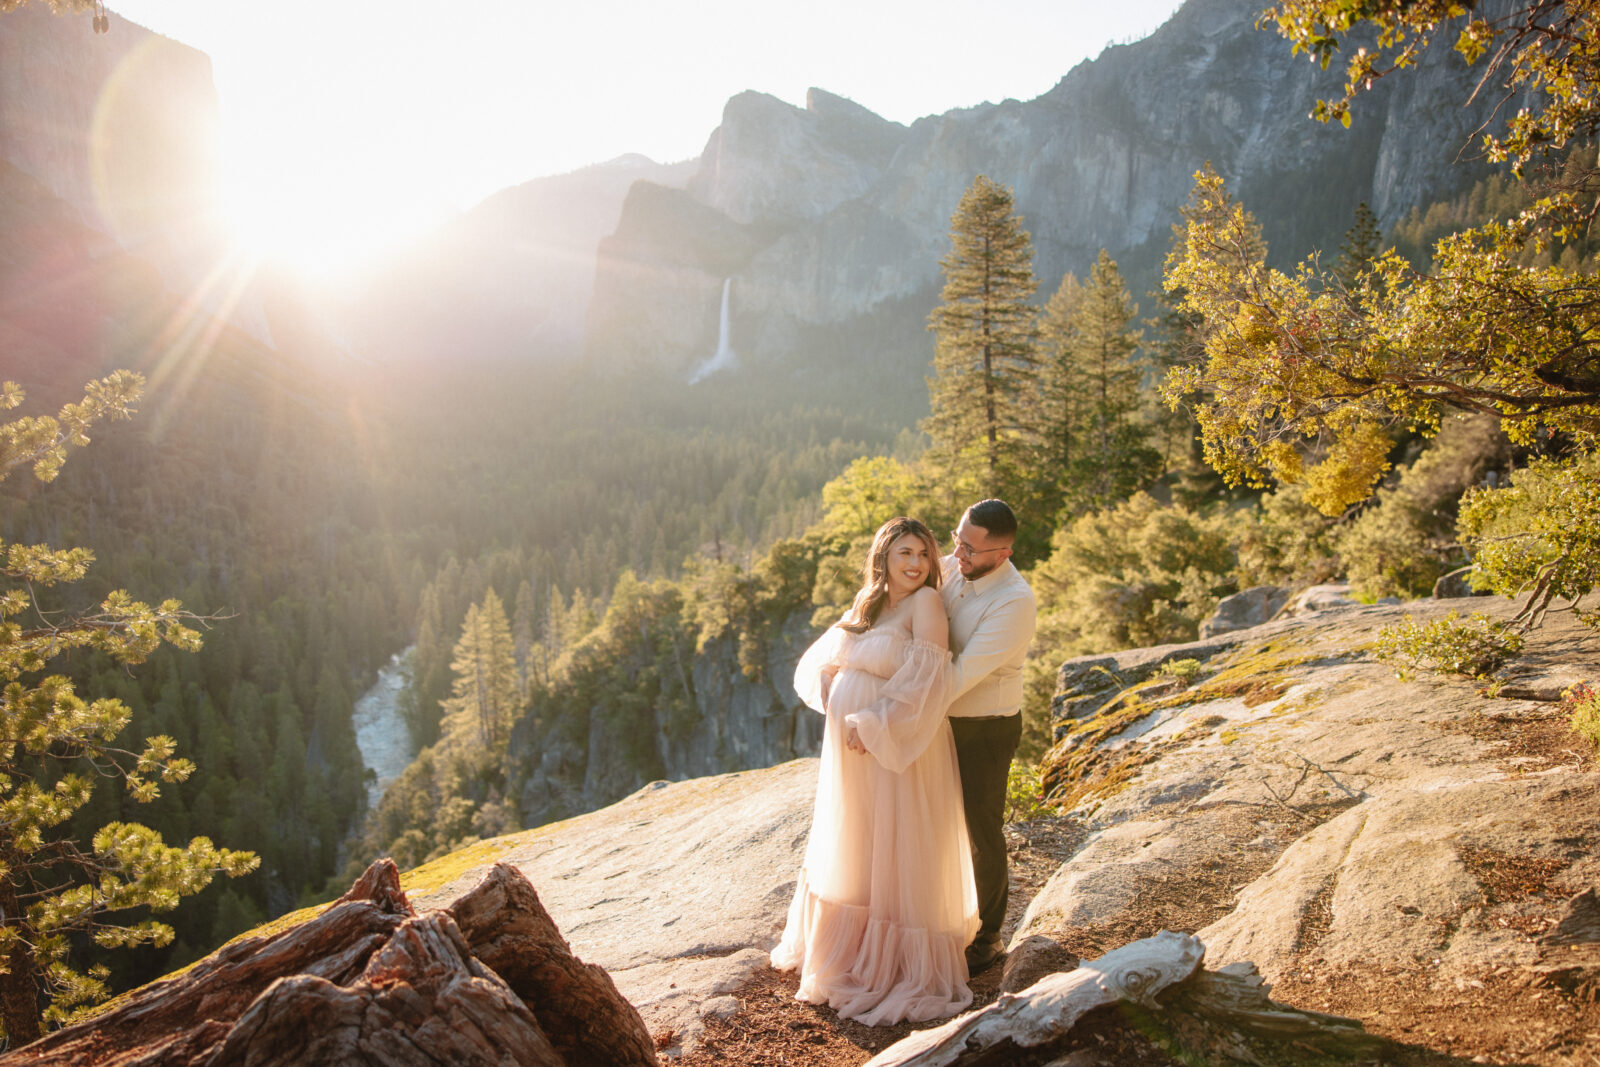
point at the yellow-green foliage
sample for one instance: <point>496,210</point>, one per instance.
<point>55,747</point>
<point>1285,541</point>
<point>1403,544</point>
<point>1299,375</point>
<point>1474,647</point>
<point>1582,705</point>
<point>1024,793</point>
<point>1138,574</point>
<point>1539,535</point>
<point>1183,671</point>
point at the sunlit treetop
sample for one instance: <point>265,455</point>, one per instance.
<point>1297,368</point>
<point>1547,51</point>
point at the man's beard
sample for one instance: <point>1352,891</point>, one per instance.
<point>978,572</point>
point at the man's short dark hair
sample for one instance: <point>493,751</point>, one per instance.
<point>996,518</point>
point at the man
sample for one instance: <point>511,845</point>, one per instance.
<point>991,613</point>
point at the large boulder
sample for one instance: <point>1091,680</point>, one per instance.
<point>1244,609</point>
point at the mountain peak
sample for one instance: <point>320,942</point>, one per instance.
<point>826,105</point>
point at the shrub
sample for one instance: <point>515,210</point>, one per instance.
<point>1140,573</point>
<point>1184,671</point>
<point>1024,793</point>
<point>1473,648</point>
<point>1285,541</point>
<point>1540,535</point>
<point>1582,706</point>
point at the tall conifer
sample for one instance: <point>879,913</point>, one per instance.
<point>983,392</point>
<point>484,692</point>
<point>1061,393</point>
<point>1115,458</point>
<point>1363,243</point>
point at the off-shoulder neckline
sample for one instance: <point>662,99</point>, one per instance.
<point>899,635</point>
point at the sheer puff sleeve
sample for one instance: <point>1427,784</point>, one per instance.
<point>903,721</point>
<point>821,660</point>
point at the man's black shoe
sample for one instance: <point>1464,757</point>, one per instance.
<point>982,954</point>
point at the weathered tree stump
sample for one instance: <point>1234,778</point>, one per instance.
<point>422,999</point>
<point>577,1004</point>
<point>368,981</point>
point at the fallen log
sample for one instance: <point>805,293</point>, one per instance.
<point>1161,974</point>
<point>1048,1009</point>
<point>1234,998</point>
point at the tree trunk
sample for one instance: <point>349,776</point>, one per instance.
<point>19,993</point>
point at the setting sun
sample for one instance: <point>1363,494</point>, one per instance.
<point>346,131</point>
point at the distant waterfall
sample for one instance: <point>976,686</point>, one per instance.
<point>724,357</point>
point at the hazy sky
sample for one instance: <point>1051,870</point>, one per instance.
<point>349,124</point>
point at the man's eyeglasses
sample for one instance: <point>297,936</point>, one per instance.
<point>964,549</point>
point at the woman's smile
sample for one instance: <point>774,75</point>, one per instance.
<point>909,565</point>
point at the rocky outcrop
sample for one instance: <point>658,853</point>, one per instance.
<point>1292,804</point>
<point>842,214</point>
<point>678,891</point>
<point>1300,807</point>
<point>510,279</point>
<point>735,720</point>
<point>122,126</point>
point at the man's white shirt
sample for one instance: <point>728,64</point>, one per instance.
<point>991,626</point>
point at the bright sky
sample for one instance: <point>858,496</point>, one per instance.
<point>350,125</point>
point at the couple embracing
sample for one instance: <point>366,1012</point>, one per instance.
<point>904,883</point>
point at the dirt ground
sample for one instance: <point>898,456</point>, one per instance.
<point>1503,1016</point>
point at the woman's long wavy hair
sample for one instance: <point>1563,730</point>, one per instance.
<point>874,594</point>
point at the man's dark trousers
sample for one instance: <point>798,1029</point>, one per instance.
<point>984,748</point>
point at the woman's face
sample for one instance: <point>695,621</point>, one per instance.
<point>910,562</point>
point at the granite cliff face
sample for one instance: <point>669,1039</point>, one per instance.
<point>122,128</point>
<point>736,722</point>
<point>826,216</point>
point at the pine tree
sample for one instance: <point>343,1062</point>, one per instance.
<point>523,627</point>
<point>1114,459</point>
<point>54,890</point>
<point>1061,393</point>
<point>984,419</point>
<point>1363,243</point>
<point>484,694</point>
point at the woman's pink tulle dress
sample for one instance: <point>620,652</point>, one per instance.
<point>885,904</point>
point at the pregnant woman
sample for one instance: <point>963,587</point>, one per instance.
<point>885,904</point>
